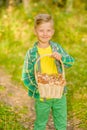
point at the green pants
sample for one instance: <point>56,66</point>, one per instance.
<point>59,112</point>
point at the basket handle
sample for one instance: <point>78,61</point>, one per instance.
<point>63,72</point>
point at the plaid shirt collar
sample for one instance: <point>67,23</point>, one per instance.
<point>53,46</point>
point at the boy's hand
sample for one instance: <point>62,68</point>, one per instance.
<point>56,55</point>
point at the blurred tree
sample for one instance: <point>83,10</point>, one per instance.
<point>18,2</point>
<point>7,2</point>
<point>26,5</point>
<point>60,3</point>
<point>13,2</point>
<point>10,4</point>
<point>69,5</point>
<point>1,2</point>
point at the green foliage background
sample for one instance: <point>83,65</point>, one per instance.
<point>16,37</point>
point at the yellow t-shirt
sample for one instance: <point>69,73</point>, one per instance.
<point>47,64</point>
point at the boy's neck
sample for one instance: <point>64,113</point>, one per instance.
<point>43,45</point>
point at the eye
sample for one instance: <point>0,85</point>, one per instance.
<point>41,30</point>
<point>48,30</point>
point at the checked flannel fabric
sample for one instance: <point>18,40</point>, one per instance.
<point>28,76</point>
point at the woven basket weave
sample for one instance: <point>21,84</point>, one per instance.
<point>49,89</point>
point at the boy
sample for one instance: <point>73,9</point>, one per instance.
<point>44,30</point>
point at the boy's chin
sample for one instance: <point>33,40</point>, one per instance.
<point>45,41</point>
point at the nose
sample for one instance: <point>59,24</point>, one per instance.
<point>45,33</point>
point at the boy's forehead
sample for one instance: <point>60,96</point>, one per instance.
<point>45,24</point>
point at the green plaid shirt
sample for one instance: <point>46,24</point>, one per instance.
<point>28,76</point>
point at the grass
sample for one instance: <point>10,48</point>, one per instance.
<point>2,88</point>
<point>16,37</point>
<point>9,119</point>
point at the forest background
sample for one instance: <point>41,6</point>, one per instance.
<point>16,37</point>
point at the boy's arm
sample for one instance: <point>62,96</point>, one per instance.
<point>28,73</point>
<point>66,58</point>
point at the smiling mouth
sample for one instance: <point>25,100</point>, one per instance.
<point>45,37</point>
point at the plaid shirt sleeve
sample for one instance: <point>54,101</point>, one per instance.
<point>28,73</point>
<point>66,58</point>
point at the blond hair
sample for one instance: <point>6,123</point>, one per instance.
<point>42,18</point>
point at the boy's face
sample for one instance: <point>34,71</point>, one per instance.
<point>44,32</point>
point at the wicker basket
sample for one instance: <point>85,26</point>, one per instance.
<point>47,88</point>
